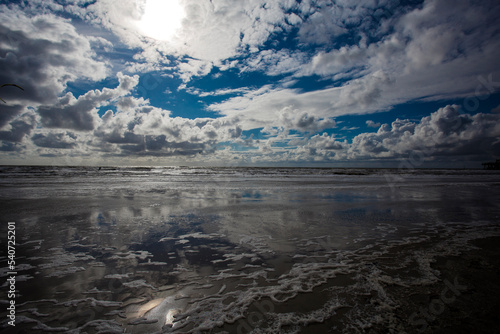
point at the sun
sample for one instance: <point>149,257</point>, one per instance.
<point>161,19</point>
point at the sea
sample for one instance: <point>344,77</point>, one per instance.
<point>249,250</point>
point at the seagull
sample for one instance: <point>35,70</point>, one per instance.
<point>4,85</point>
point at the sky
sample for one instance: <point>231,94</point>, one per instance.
<point>368,83</point>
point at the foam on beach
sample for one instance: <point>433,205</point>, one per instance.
<point>378,276</point>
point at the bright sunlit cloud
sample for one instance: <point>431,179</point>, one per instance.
<point>161,19</point>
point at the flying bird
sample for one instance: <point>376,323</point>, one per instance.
<point>10,85</point>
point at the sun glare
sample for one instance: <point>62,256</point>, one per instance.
<point>161,19</point>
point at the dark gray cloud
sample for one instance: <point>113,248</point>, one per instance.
<point>10,147</point>
<point>157,134</point>
<point>158,146</point>
<point>81,114</point>
<point>445,134</point>
<point>41,54</point>
<point>69,113</point>
<point>8,112</point>
<point>372,124</point>
<point>55,140</point>
<point>295,119</point>
<point>18,128</point>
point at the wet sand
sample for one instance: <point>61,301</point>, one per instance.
<point>249,250</point>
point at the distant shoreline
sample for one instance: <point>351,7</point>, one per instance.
<point>240,167</point>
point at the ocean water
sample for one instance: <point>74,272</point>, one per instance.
<point>251,250</point>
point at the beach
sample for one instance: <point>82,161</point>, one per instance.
<point>251,250</point>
